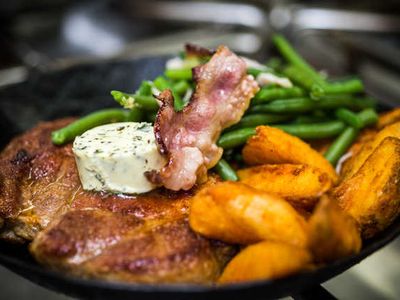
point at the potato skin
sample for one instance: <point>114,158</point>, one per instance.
<point>388,118</point>
<point>265,260</point>
<point>354,163</point>
<point>345,163</point>
<point>236,213</point>
<point>301,185</point>
<point>274,146</point>
<point>372,195</point>
<point>333,233</point>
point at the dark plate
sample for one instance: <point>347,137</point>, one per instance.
<point>82,89</point>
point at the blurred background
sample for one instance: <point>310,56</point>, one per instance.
<point>341,37</point>
<point>353,36</point>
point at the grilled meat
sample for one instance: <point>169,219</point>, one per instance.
<point>37,182</point>
<point>143,238</point>
<point>94,243</point>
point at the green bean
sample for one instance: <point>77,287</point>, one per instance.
<point>239,137</point>
<point>181,87</point>
<point>336,101</point>
<point>368,117</point>
<point>179,104</point>
<point>351,86</point>
<point>275,63</point>
<point>253,71</point>
<point>145,88</point>
<point>225,171</point>
<point>260,119</point>
<point>295,59</point>
<point>161,83</point>
<point>235,138</point>
<point>129,100</point>
<point>299,77</point>
<point>309,119</point>
<point>349,117</point>
<point>182,54</point>
<point>341,144</point>
<point>146,102</point>
<point>295,105</point>
<point>314,131</point>
<point>179,74</point>
<point>94,119</point>
<point>302,105</point>
<point>268,94</point>
<point>151,116</point>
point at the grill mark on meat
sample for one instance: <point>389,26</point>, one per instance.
<point>22,157</point>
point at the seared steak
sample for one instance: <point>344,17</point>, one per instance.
<point>142,238</point>
<point>37,182</point>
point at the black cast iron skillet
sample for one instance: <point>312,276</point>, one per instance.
<point>80,90</point>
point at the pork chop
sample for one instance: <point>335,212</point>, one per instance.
<point>143,238</point>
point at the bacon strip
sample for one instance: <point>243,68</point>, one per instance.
<point>188,138</point>
<point>196,50</point>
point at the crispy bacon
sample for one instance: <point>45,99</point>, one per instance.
<point>188,138</point>
<point>196,50</point>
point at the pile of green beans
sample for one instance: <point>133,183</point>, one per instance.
<point>313,108</point>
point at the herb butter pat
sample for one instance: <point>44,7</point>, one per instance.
<point>114,157</point>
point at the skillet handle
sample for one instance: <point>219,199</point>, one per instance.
<point>314,293</point>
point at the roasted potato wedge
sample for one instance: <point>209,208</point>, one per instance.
<point>236,213</point>
<point>298,184</point>
<point>274,146</point>
<point>354,163</point>
<point>388,118</point>
<point>333,232</point>
<point>372,194</point>
<point>265,260</point>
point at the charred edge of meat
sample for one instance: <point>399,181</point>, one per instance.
<point>22,157</point>
<point>196,71</point>
<point>167,100</point>
<point>199,51</point>
<point>153,176</point>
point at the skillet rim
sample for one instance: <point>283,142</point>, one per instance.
<point>305,279</point>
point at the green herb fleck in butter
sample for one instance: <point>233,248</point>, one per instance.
<point>114,157</point>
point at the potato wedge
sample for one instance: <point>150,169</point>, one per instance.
<point>388,118</point>
<point>274,146</point>
<point>354,163</point>
<point>372,194</point>
<point>265,260</point>
<point>333,232</point>
<point>298,184</point>
<point>236,213</point>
